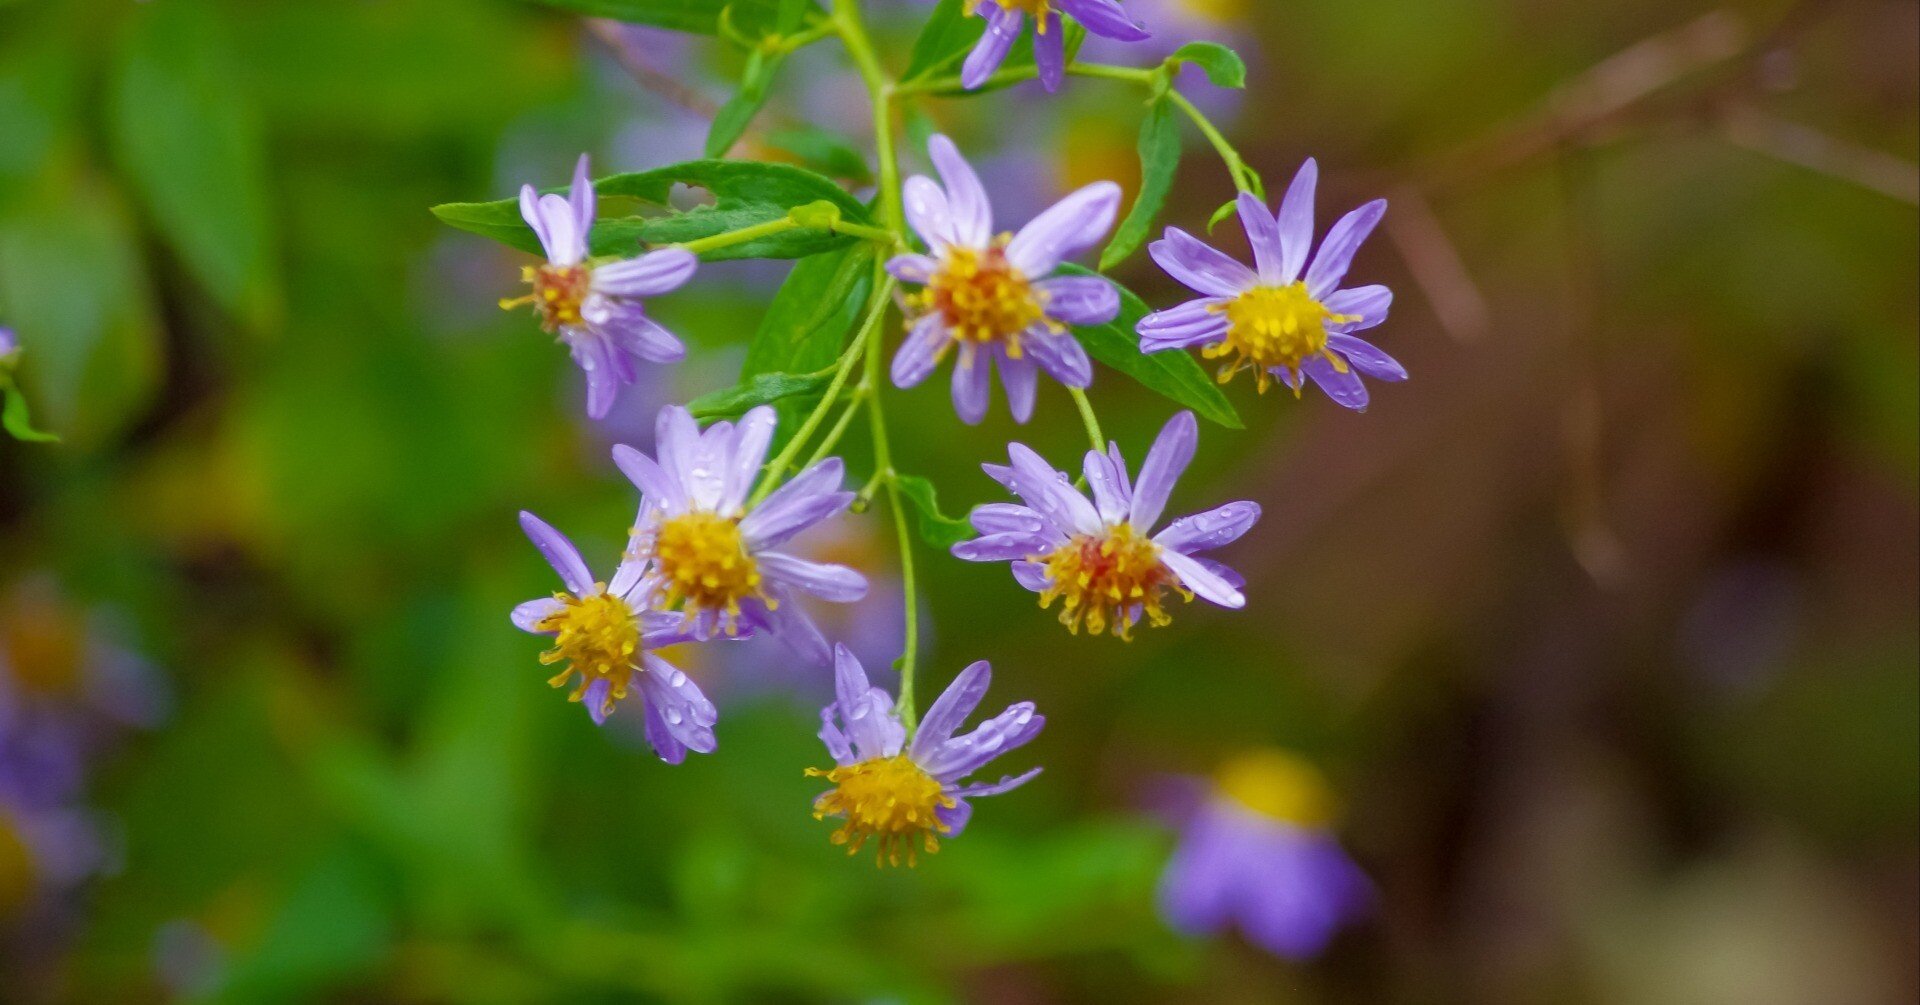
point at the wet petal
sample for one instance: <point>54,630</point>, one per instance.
<point>1007,547</point>
<point>1367,303</point>
<point>750,442</point>
<point>1061,355</point>
<point>806,499</point>
<point>527,616</point>
<point>1296,222</point>
<point>913,268</point>
<point>971,386</point>
<point>653,273</point>
<point>1203,581</point>
<point>1022,380</point>
<point>971,213</point>
<point>1336,253</point>
<point>1003,26</point>
<point>835,583</point>
<point>1065,229</point>
<point>1079,300</point>
<point>1050,53</point>
<point>1214,528</point>
<point>920,351</point>
<point>1367,358</point>
<point>1171,453</point>
<point>927,212</point>
<point>1105,18</point>
<point>951,709</point>
<point>684,709</point>
<point>1201,267</point>
<point>1342,384</point>
<point>559,553</point>
<point>1263,233</point>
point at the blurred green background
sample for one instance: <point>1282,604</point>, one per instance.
<point>1606,625</point>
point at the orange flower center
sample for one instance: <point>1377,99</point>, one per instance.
<point>890,800</point>
<point>558,292</point>
<point>1109,579</point>
<point>981,296</point>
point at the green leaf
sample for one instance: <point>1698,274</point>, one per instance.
<point>824,151</point>
<point>701,17</point>
<point>1159,158</point>
<point>1226,209</point>
<point>759,389</point>
<point>745,193</point>
<point>756,83</point>
<point>1172,373</point>
<point>13,415</point>
<point>1222,65</point>
<point>809,321</point>
<point>182,127</point>
<point>936,528</point>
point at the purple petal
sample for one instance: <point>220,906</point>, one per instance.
<point>559,553</point>
<point>1031,575</point>
<point>594,700</point>
<point>530,212</point>
<point>1198,889</point>
<point>1263,233</point>
<point>1061,355</point>
<point>1171,453</point>
<point>1008,547</point>
<point>1203,581</point>
<point>1296,222</point>
<point>1068,227</point>
<point>527,616</point>
<point>1200,267</point>
<point>1336,253</point>
<point>654,484</point>
<point>835,583</point>
<point>1050,493</point>
<point>670,749</point>
<point>954,818</point>
<point>786,620</point>
<point>951,709</point>
<point>688,715</point>
<point>836,742</point>
<point>1105,18</point>
<point>1203,330</point>
<point>1050,52</point>
<point>1366,358</point>
<point>1342,384</point>
<point>1205,310</point>
<point>629,329</point>
<point>1001,473</point>
<point>920,351</point>
<point>866,712</point>
<point>963,755</point>
<point>1022,380</point>
<point>1215,528</point>
<point>751,439</point>
<point>676,438</point>
<point>971,388</point>
<point>580,197</point>
<point>1079,300</point>
<point>569,245</point>
<point>1298,892</point>
<point>1008,518</point>
<point>1110,496</point>
<point>1003,26</point>
<point>594,355</point>
<point>927,211</point>
<point>808,498</point>
<point>915,268</point>
<point>972,214</point>
<point>653,273</point>
<point>1006,784</point>
<point>1369,304</point>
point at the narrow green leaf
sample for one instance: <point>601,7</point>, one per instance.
<point>1222,65</point>
<point>731,121</point>
<point>1174,374</point>
<point>936,528</point>
<point>1226,209</point>
<point>13,415</point>
<point>701,17</point>
<point>745,193</point>
<point>1159,158</point>
<point>759,389</point>
<point>182,127</point>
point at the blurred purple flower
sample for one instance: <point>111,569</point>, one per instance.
<point>1098,555</point>
<point>905,795</point>
<point>1275,320</point>
<point>44,852</point>
<point>981,294</point>
<point>9,343</point>
<point>596,309</point>
<point>603,633</point>
<point>1006,17</point>
<point>710,554</point>
<point>1256,852</point>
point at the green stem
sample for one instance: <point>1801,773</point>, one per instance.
<point>951,84</point>
<point>1088,419</point>
<point>853,34</point>
<point>818,30</point>
<point>1243,177</point>
<point>855,399</point>
<point>878,235</point>
<point>729,238</point>
<point>884,474</point>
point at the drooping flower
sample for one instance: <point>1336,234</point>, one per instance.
<point>595,307</point>
<point>1101,557</point>
<point>1006,17</point>
<point>902,795</point>
<point>605,638</point>
<point>711,556</point>
<point>1274,319</point>
<point>1257,851</point>
<point>995,298</point>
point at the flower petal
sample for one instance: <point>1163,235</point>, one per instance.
<point>1050,493</point>
<point>1007,784</point>
<point>963,755</point>
<point>536,221</point>
<point>1198,889</point>
<point>1214,528</point>
<point>835,583</point>
<point>1263,233</point>
<point>1367,303</point>
<point>1050,52</point>
<point>1336,253</point>
<point>1008,547</point>
<point>676,439</point>
<point>1008,518</point>
<point>688,715</point>
<point>1079,300</point>
<point>972,214</point>
<point>1060,354</point>
<point>920,351</point>
<point>630,330</point>
<point>653,273</point>
<point>594,354</point>
<point>951,709</point>
<point>1296,222</point>
<point>750,441</point>
<point>972,390</point>
<point>913,268</point>
<point>580,197</point>
<point>1202,580</point>
<point>569,245</point>
<point>1110,496</point>
<point>1021,378</point>
<point>1171,453</point>
<point>662,740</point>
<point>527,616</point>
<point>1367,358</point>
<point>1342,384</point>
<point>1105,18</point>
<point>806,499</point>
<point>866,712</point>
<point>1031,575</point>
<point>1201,267</point>
<point>559,553</point>
<point>786,620</point>
<point>1003,26</point>
<point>1068,227</point>
<point>656,486</point>
<point>925,203</point>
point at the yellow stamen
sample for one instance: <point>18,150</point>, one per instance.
<point>982,297</point>
<point>1038,9</point>
<point>1275,326</point>
<point>1280,786</point>
<point>890,800</point>
<point>1109,579</point>
<point>598,637</point>
<point>558,292</point>
<point>704,564</point>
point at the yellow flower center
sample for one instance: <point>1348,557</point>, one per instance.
<point>703,562</point>
<point>981,296</point>
<point>1037,9</point>
<point>1274,326</point>
<point>1110,579</point>
<point>890,800</point>
<point>16,867</point>
<point>1279,786</point>
<point>558,292</point>
<point>598,637</point>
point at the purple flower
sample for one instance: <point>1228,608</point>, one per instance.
<point>604,634</point>
<point>9,343</point>
<point>906,795</point>
<point>1098,555</point>
<point>1257,852</point>
<point>710,554</point>
<point>991,296</point>
<point>595,307</point>
<point>1274,319</point>
<point>46,851</point>
<point>1005,18</point>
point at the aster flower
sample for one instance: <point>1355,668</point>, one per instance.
<point>710,555</point>
<point>605,636</point>
<point>906,795</point>
<point>995,298</point>
<point>1273,319</point>
<point>594,307</point>
<point>1098,555</point>
<point>9,344</point>
<point>1006,17</point>
<point>1256,850</point>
